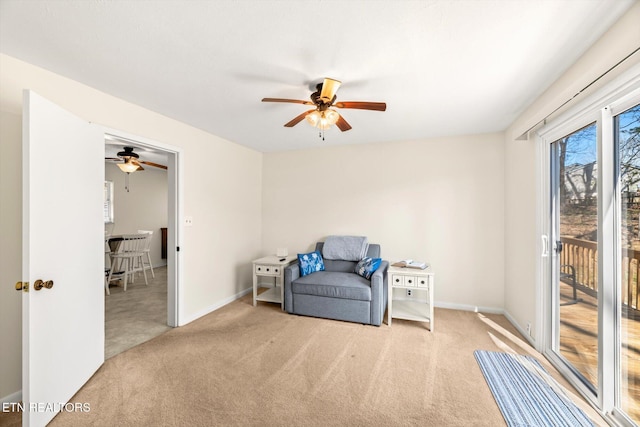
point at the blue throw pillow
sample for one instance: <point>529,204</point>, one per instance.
<point>367,266</point>
<point>310,263</point>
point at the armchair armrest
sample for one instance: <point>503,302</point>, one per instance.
<point>379,293</point>
<point>291,273</point>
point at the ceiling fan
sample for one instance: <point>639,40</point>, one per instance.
<point>323,116</point>
<point>130,161</point>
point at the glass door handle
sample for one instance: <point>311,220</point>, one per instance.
<point>558,246</point>
<point>545,245</point>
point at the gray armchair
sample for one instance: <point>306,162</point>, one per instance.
<point>338,293</point>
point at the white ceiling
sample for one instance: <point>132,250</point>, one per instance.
<point>443,67</point>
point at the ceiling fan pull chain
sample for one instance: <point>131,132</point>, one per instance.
<point>126,182</point>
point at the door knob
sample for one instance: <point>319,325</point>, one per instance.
<point>39,284</point>
<point>22,286</point>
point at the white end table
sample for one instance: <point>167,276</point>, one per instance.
<point>405,280</point>
<point>272,268</point>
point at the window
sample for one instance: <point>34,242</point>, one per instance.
<point>108,202</point>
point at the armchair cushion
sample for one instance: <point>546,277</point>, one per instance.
<point>310,263</point>
<point>335,285</point>
<point>367,266</point>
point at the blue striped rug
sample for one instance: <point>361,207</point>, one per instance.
<point>523,397</point>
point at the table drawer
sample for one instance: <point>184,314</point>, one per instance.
<point>422,282</point>
<point>410,281</point>
<point>403,280</point>
<point>397,280</point>
<point>266,270</point>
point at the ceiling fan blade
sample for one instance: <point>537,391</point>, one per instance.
<point>137,163</point>
<point>329,89</point>
<point>297,119</point>
<point>342,124</point>
<point>294,101</point>
<point>157,165</point>
<point>362,105</point>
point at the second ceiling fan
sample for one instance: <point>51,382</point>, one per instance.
<point>323,116</point>
<point>131,161</point>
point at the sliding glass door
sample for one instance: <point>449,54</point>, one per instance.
<point>593,301</point>
<point>627,135</point>
<point>575,260</point>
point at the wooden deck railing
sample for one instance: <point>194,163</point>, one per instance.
<point>583,256</point>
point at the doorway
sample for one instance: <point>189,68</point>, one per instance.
<point>142,201</point>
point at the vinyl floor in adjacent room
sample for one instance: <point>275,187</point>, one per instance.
<point>137,315</point>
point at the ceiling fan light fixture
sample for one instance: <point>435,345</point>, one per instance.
<point>328,118</point>
<point>331,116</point>
<point>128,167</point>
<point>322,119</point>
<point>313,118</point>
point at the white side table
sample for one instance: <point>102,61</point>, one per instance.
<point>268,272</point>
<point>405,280</point>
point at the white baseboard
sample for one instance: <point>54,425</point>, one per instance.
<point>12,398</point>
<point>466,307</point>
<point>214,307</point>
<point>520,329</point>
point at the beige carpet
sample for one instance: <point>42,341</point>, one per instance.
<point>259,366</point>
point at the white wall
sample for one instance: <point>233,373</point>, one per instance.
<point>10,253</point>
<point>523,172</point>
<point>438,200</point>
<point>221,191</point>
<point>143,207</point>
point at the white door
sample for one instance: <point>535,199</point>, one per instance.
<point>63,230</point>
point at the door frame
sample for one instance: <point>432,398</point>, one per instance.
<point>174,219</point>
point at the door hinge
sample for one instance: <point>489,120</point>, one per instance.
<point>177,248</point>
